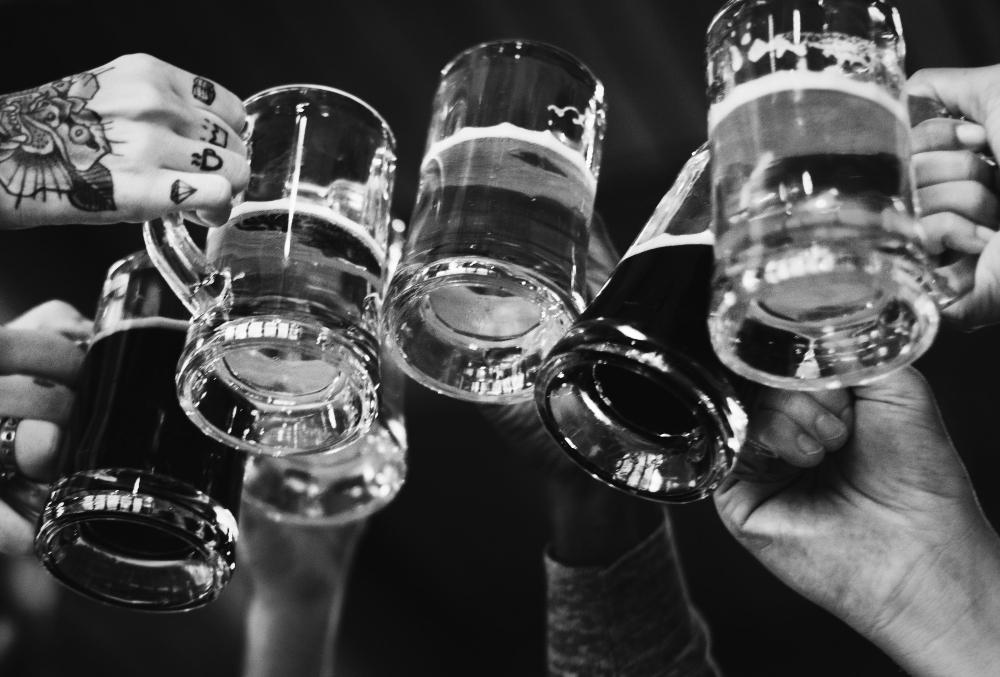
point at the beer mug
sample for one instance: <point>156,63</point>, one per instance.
<point>493,272</point>
<point>341,486</point>
<point>347,484</point>
<point>821,277</point>
<point>144,513</point>
<point>634,392</point>
<point>282,354</point>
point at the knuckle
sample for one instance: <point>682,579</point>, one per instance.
<point>147,98</point>
<point>140,63</point>
<point>58,309</point>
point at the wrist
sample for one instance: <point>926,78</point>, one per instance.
<point>945,620</point>
<point>594,525</point>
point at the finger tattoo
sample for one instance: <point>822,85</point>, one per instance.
<point>207,160</point>
<point>203,90</point>
<point>180,191</point>
<point>217,136</point>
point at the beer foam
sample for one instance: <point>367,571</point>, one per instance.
<point>670,240</point>
<point>782,81</point>
<point>361,233</point>
<point>506,130</point>
<point>118,326</point>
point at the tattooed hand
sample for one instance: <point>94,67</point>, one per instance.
<point>130,141</point>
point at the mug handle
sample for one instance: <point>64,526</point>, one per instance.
<point>200,286</point>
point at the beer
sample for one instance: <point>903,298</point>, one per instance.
<point>509,208</point>
<point>282,358</point>
<point>494,268</point>
<point>821,280</point>
<point>326,285</point>
<point>145,511</point>
<point>634,393</point>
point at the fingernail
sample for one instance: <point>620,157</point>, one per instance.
<point>847,416</point>
<point>971,134</point>
<point>829,426</point>
<point>808,445</point>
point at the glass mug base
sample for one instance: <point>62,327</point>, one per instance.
<point>640,418</point>
<point>270,385</point>
<point>137,540</point>
<point>823,314</point>
<point>475,329</point>
<point>328,489</point>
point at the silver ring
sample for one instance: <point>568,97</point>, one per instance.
<point>8,433</point>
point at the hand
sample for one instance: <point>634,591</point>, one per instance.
<point>299,578</point>
<point>591,524</point>
<point>129,141</point>
<point>40,360</point>
<point>957,188</point>
<point>880,527</point>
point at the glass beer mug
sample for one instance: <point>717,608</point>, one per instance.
<point>144,514</point>
<point>494,268</point>
<point>282,354</point>
<point>634,392</point>
<point>341,486</point>
<point>349,483</point>
<point>821,277</point>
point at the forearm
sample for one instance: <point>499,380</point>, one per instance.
<point>950,624</point>
<point>631,619</point>
<point>300,579</point>
<point>617,603</point>
<point>594,525</point>
<point>292,639</point>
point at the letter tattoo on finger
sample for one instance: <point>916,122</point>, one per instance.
<point>203,90</point>
<point>181,191</point>
<point>217,136</point>
<point>207,160</point>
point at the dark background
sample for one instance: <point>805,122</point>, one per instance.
<point>449,579</point>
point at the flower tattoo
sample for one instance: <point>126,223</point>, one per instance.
<point>52,144</point>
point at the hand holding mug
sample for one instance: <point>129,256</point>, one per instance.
<point>868,512</point>
<point>129,141</point>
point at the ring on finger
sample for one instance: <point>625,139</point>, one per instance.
<point>8,434</point>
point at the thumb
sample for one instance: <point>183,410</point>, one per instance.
<point>971,92</point>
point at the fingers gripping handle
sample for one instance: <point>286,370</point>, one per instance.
<point>199,285</point>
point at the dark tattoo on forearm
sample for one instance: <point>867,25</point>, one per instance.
<point>217,136</point>
<point>180,191</point>
<point>52,144</point>
<point>203,90</point>
<point>207,160</point>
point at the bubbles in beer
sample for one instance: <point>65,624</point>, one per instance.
<point>495,259</point>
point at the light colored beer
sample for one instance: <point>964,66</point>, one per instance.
<point>499,233</point>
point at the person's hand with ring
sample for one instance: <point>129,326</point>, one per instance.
<point>867,511</point>
<point>132,140</point>
<point>40,360</point>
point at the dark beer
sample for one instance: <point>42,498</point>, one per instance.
<point>634,392</point>
<point>144,513</point>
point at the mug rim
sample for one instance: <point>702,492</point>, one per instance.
<point>519,44</point>
<point>254,98</point>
